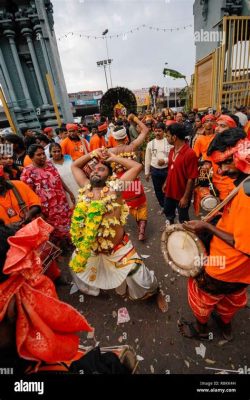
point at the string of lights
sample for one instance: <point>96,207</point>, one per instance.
<point>124,34</point>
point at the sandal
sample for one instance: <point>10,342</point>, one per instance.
<point>188,330</point>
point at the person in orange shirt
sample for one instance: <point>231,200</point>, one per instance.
<point>223,184</point>
<point>74,145</point>
<point>200,148</point>
<point>202,142</point>
<point>18,203</point>
<point>247,129</point>
<point>222,284</point>
<point>98,141</point>
<point>111,141</point>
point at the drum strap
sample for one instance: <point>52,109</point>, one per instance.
<point>22,205</point>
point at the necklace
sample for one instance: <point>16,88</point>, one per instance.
<point>103,192</point>
<point>10,211</point>
<point>175,155</point>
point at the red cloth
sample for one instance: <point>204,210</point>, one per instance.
<point>72,126</point>
<point>46,328</point>
<point>185,167</point>
<point>203,303</point>
<point>134,195</point>
<point>227,120</point>
<point>103,127</point>
<point>240,153</point>
<point>48,129</point>
<point>208,117</point>
<point>1,171</point>
<point>47,184</point>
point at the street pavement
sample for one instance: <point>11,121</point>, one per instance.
<point>154,335</point>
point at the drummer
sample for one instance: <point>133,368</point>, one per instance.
<point>220,289</point>
<point>223,184</point>
<point>205,169</point>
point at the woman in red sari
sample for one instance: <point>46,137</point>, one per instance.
<point>45,181</point>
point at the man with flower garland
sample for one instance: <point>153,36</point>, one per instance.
<point>105,257</point>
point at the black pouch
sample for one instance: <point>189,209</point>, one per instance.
<point>95,362</point>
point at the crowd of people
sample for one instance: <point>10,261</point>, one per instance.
<point>75,185</point>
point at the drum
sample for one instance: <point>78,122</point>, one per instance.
<point>204,199</point>
<point>209,202</point>
<point>48,252</point>
<point>183,251</point>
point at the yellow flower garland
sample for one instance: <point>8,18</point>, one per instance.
<point>89,230</point>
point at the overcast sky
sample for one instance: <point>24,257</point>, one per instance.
<point>139,60</point>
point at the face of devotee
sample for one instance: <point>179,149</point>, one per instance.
<point>99,175</point>
<point>39,157</point>
<point>221,126</point>
<point>56,153</point>
<point>29,133</point>
<point>179,118</point>
<point>198,123</point>
<point>208,126</point>
<point>170,138</point>
<point>158,133</point>
<point>73,134</point>
<point>228,168</point>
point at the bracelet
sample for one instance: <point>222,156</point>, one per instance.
<point>94,154</point>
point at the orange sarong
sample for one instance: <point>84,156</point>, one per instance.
<point>203,303</point>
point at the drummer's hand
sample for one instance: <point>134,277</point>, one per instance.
<point>183,203</point>
<point>195,226</point>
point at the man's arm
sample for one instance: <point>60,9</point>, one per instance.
<point>32,213</point>
<point>188,193</point>
<point>148,157</point>
<point>200,226</point>
<point>77,171</point>
<point>66,189</point>
<point>142,136</point>
<point>133,167</point>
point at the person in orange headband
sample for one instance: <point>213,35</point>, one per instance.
<point>224,122</point>
<point>74,145</point>
<point>98,141</point>
<point>221,287</point>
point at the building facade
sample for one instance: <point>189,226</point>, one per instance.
<point>29,58</point>
<point>222,70</point>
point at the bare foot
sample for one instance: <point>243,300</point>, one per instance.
<point>161,302</point>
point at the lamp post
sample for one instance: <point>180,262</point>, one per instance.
<point>104,63</point>
<point>104,34</point>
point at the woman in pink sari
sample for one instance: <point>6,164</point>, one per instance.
<point>45,180</point>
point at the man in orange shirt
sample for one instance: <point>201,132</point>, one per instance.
<point>221,286</point>
<point>203,141</point>
<point>98,141</point>
<point>222,183</point>
<point>18,203</point>
<point>74,145</point>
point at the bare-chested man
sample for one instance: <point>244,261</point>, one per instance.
<point>105,257</point>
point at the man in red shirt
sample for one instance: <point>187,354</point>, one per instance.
<point>182,172</point>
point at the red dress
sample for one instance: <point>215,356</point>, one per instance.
<point>47,184</point>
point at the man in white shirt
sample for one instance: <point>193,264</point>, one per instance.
<point>156,161</point>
